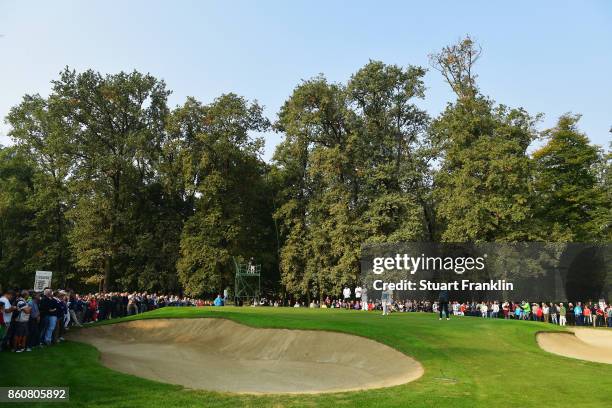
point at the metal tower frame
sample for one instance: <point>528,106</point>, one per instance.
<point>247,281</point>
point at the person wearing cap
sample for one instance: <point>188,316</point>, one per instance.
<point>21,322</point>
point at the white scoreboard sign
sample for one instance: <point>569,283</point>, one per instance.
<point>42,280</point>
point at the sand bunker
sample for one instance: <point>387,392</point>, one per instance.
<point>585,344</point>
<point>220,355</point>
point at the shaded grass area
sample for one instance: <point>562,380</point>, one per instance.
<point>469,362</point>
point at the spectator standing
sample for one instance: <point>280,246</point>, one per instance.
<point>61,312</point>
<point>72,310</point>
<point>7,315</point>
<point>526,314</point>
<point>562,315</point>
<point>554,310</point>
<point>535,312</point>
<point>586,312</point>
<point>2,326</point>
<point>539,313</point>
<point>22,317</point>
<point>506,310</point>
<point>48,314</point>
<point>495,310</point>
<point>570,314</point>
<point>599,317</point>
<point>518,312</point>
<point>484,309</point>
<point>578,314</point>
<point>34,323</point>
<point>546,312</point>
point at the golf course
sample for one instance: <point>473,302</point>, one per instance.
<point>467,362</point>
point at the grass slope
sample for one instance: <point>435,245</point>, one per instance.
<point>469,362</point>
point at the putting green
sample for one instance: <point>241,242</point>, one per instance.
<point>468,362</point>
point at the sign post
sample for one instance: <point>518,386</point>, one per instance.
<point>42,280</point>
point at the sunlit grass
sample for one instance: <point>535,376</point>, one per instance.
<point>469,362</point>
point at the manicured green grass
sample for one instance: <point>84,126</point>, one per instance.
<point>469,362</point>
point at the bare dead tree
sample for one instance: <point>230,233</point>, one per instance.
<point>455,63</point>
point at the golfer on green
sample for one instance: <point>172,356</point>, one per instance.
<point>443,304</point>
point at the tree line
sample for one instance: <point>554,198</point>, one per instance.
<point>109,187</point>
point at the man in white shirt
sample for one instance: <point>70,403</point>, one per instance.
<point>364,299</point>
<point>495,310</point>
<point>7,314</point>
<point>358,292</point>
<point>387,298</point>
<point>346,293</point>
<point>484,309</point>
<point>8,308</point>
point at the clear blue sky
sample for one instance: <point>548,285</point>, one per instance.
<point>546,56</point>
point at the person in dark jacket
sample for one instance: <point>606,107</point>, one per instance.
<point>103,311</point>
<point>61,312</point>
<point>443,304</point>
<point>48,315</point>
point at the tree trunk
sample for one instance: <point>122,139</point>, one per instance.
<point>108,265</point>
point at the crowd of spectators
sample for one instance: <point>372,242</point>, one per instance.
<point>358,304</point>
<point>596,314</point>
<point>34,319</point>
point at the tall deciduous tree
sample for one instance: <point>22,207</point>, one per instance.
<point>392,160</point>
<point>226,181</point>
<point>570,198</point>
<point>482,186</point>
<point>117,124</point>
<point>16,185</point>
<point>41,135</point>
<point>354,172</point>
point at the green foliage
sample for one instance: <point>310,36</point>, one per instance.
<point>117,190</point>
<point>16,178</point>
<point>482,187</point>
<point>113,142</point>
<point>228,183</point>
<point>39,132</point>
<point>352,167</point>
<point>572,202</point>
<point>107,185</point>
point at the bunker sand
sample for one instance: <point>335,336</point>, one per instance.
<point>582,343</point>
<point>220,355</point>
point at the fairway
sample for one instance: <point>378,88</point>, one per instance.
<point>468,362</point>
